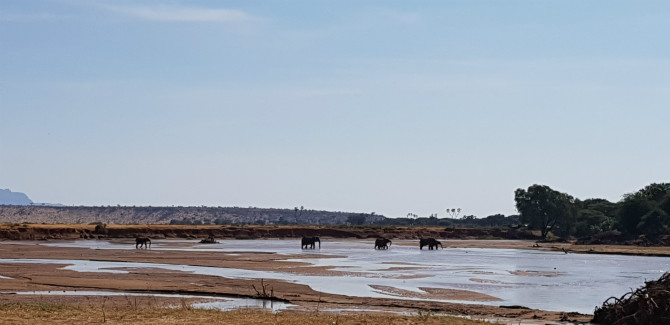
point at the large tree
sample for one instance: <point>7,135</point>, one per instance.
<point>594,216</point>
<point>543,208</point>
<point>645,211</point>
<point>631,209</point>
<point>655,192</point>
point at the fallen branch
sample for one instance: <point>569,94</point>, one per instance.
<point>649,304</point>
<point>263,292</point>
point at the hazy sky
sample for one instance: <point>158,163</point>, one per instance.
<point>385,106</point>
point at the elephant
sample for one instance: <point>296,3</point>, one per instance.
<point>430,242</point>
<point>309,242</point>
<point>142,241</point>
<point>382,243</point>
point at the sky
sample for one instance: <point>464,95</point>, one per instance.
<point>392,107</point>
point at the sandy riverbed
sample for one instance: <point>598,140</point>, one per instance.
<point>44,277</point>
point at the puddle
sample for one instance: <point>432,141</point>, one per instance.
<point>224,304</point>
<point>244,303</point>
<point>363,310</point>
<point>536,279</point>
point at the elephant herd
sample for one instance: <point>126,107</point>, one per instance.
<point>310,243</point>
<point>380,243</point>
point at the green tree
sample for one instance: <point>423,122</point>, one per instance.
<point>665,204</point>
<point>655,192</point>
<point>645,211</point>
<point>654,223</point>
<point>590,222</point>
<point>543,208</point>
<point>631,210</point>
<point>607,208</point>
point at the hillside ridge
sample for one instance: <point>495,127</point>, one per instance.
<point>178,215</point>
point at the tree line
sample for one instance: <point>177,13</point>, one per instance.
<point>645,212</point>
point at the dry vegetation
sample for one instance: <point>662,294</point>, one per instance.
<point>15,313</point>
<point>647,305</point>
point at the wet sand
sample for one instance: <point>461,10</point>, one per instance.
<point>44,277</point>
<point>565,247</point>
<point>436,293</point>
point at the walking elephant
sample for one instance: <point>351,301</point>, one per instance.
<point>309,242</point>
<point>142,241</point>
<point>382,243</point>
<point>432,243</point>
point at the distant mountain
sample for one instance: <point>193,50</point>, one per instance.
<point>8,197</point>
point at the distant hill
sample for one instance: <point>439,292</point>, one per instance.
<point>179,215</point>
<point>38,213</point>
<point>8,197</point>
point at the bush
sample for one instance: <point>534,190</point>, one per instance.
<point>100,228</point>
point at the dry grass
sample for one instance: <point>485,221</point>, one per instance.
<point>15,313</point>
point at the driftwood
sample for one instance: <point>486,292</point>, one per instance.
<point>647,305</point>
<point>263,293</point>
<point>209,240</point>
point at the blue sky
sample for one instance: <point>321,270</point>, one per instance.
<point>394,107</point>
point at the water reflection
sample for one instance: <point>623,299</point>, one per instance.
<point>243,303</point>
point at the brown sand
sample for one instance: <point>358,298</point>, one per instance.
<point>436,293</point>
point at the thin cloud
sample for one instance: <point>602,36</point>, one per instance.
<point>181,14</point>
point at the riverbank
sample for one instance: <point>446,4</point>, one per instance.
<point>111,312</point>
<point>27,231</point>
<point>568,248</point>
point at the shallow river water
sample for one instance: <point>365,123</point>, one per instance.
<point>219,303</point>
<point>536,279</point>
